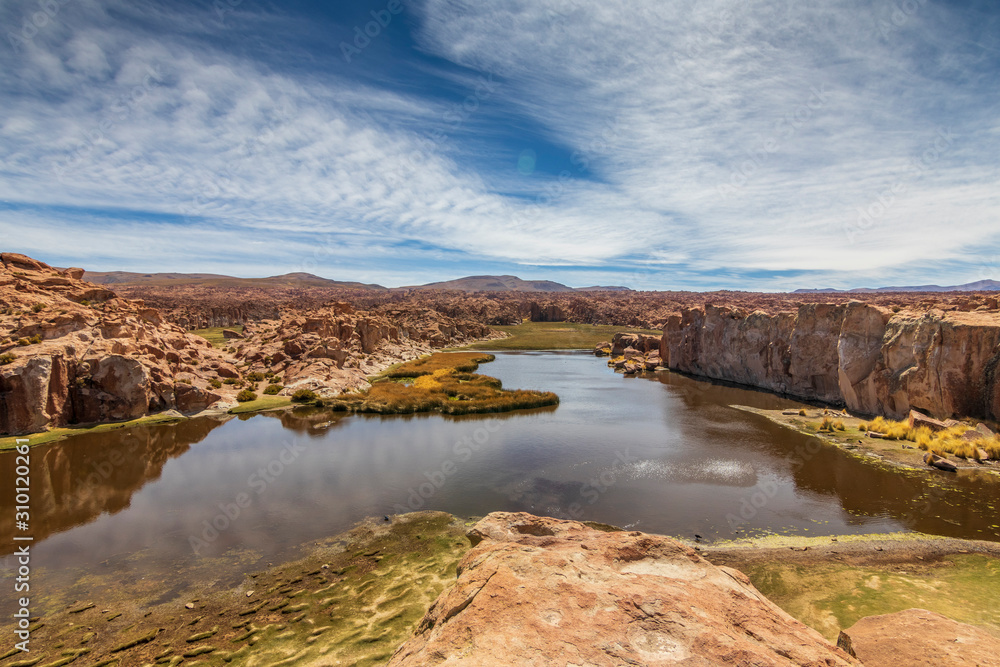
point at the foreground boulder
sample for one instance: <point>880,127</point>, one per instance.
<point>538,591</point>
<point>918,638</point>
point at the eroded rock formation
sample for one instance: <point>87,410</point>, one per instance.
<point>74,352</point>
<point>869,358</point>
<point>539,591</point>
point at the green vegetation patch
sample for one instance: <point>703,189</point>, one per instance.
<point>262,403</point>
<point>829,597</point>
<point>464,362</point>
<point>352,600</point>
<point>441,383</point>
<point>214,334</point>
<point>554,336</point>
<point>65,432</point>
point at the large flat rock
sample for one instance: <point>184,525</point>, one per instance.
<point>919,638</point>
<point>538,591</point>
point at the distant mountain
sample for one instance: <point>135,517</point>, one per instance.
<point>215,280</point>
<point>978,286</point>
<point>496,284</point>
<point>467,284</point>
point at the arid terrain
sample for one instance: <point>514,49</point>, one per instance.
<point>77,353</point>
<point>74,352</point>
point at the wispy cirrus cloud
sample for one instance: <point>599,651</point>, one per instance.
<point>691,144</point>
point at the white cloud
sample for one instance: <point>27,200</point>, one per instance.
<point>807,111</point>
<point>721,136</point>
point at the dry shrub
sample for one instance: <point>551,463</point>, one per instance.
<point>463,362</point>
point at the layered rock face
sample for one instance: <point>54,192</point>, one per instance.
<point>538,591</point>
<point>863,356</point>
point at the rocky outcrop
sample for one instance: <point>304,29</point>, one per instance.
<point>863,356</point>
<point>919,638</point>
<point>72,352</point>
<point>335,348</point>
<point>546,313</point>
<point>537,591</point>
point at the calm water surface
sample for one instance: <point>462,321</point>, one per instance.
<point>660,453</point>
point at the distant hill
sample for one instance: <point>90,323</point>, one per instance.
<point>978,286</point>
<point>467,284</point>
<point>496,284</point>
<point>215,280</point>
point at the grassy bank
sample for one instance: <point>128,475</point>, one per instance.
<point>262,403</point>
<point>351,600</point>
<point>954,440</point>
<point>831,583</point>
<point>65,432</point>
<point>851,434</point>
<point>442,382</point>
<point>214,334</point>
<point>554,336</point>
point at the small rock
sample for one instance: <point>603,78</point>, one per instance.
<point>249,593</point>
<point>189,605</point>
<point>939,462</point>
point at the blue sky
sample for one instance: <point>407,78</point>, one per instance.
<point>697,144</point>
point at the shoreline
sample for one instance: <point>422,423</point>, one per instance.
<point>359,594</point>
<point>897,454</point>
<point>259,405</point>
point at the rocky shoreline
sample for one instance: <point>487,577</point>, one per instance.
<point>512,586</point>
<point>73,353</point>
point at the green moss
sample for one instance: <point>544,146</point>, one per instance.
<point>214,334</point>
<point>60,433</point>
<point>829,597</point>
<point>263,403</point>
<point>463,362</point>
